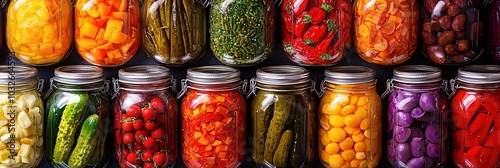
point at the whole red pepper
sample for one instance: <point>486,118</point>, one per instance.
<point>302,24</point>
<point>317,15</point>
<point>300,47</point>
<point>319,53</point>
<point>315,34</point>
<point>287,7</point>
<point>299,6</point>
<point>327,7</point>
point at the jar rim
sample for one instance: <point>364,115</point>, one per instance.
<point>479,74</point>
<point>213,75</point>
<point>18,74</point>
<point>417,74</point>
<point>78,74</point>
<point>143,74</point>
<point>351,74</point>
<point>282,75</point>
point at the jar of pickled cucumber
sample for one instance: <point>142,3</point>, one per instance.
<point>475,109</point>
<point>39,32</point>
<point>242,31</point>
<point>21,117</point>
<point>417,117</point>
<point>107,32</point>
<point>385,31</point>
<point>175,38</point>
<point>283,115</point>
<point>145,106</point>
<point>77,117</point>
<point>213,117</point>
<point>350,118</point>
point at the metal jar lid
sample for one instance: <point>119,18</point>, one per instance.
<point>479,74</point>
<point>18,74</point>
<point>143,74</point>
<point>417,74</point>
<point>78,74</point>
<point>211,75</point>
<point>282,75</point>
<point>349,74</point>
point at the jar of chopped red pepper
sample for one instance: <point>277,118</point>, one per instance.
<point>213,117</point>
<point>475,110</point>
<point>316,32</point>
<point>283,114</point>
<point>145,117</point>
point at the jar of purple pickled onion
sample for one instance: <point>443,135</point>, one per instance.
<point>418,128</point>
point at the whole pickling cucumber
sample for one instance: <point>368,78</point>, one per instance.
<point>55,107</point>
<point>282,107</point>
<point>86,142</point>
<point>281,153</point>
<point>262,110</point>
<point>68,126</point>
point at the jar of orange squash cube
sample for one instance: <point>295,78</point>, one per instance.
<point>107,31</point>
<point>385,30</point>
<point>39,32</point>
<point>350,117</point>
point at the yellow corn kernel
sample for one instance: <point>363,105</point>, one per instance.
<point>341,99</point>
<point>353,100</point>
<point>323,122</point>
<point>368,144</point>
<point>332,148</point>
<point>325,157</point>
<point>325,109</point>
<point>361,113</point>
<point>347,164</point>
<point>325,140</point>
<point>367,133</point>
<point>337,121</point>
<point>365,123</point>
<point>360,155</point>
<point>4,154</point>
<point>358,137</point>
<point>362,100</point>
<point>355,163</point>
<point>346,144</point>
<point>321,132</point>
<point>351,130</point>
<point>336,160</point>
<point>360,146</point>
<point>363,163</point>
<point>349,109</point>
<point>336,134</point>
<point>335,109</point>
<point>348,155</point>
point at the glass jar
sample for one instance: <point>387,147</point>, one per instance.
<point>283,114</point>
<point>474,110</point>
<point>494,28</point>
<point>21,117</point>
<point>350,133</point>
<point>145,117</point>
<point>317,33</point>
<point>180,39</point>
<point>107,32</point>
<point>385,30</point>
<point>77,117</point>
<point>213,117</point>
<point>451,31</point>
<point>39,32</point>
<point>418,128</point>
<point>242,31</point>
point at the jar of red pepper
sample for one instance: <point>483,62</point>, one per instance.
<point>145,117</point>
<point>283,114</point>
<point>213,117</point>
<point>316,32</point>
<point>475,110</point>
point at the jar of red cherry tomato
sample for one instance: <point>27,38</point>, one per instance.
<point>213,117</point>
<point>145,117</point>
<point>316,32</point>
<point>475,110</point>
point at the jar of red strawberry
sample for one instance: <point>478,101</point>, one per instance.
<point>145,117</point>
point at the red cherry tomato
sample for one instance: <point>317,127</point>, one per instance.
<point>148,165</point>
<point>124,154</point>
<point>159,158</point>
<point>132,158</point>
<point>158,133</point>
<point>158,104</point>
<point>128,138</point>
<point>128,126</point>
<point>141,135</point>
<point>149,143</point>
<point>150,125</point>
<point>139,147</point>
<point>155,148</point>
<point>134,111</point>
<point>138,124</point>
<point>147,156</point>
<point>148,114</point>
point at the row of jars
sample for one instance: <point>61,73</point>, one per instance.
<point>286,120</point>
<point>314,32</point>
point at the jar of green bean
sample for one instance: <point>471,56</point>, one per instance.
<point>242,31</point>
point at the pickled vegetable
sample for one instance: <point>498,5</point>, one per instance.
<point>318,35</point>
<point>213,128</point>
<point>452,31</point>
<point>476,134</point>
<point>242,31</point>
<point>21,129</point>
<point>107,32</point>
<point>39,32</point>
<point>350,132</point>
<point>385,30</point>
<point>174,30</point>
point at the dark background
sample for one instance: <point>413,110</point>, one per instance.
<point>277,58</point>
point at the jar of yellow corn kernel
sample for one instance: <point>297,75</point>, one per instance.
<point>350,113</point>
